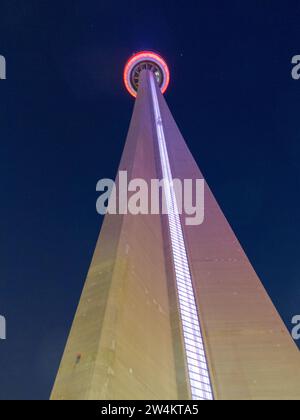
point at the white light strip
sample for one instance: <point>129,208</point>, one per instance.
<point>200,385</point>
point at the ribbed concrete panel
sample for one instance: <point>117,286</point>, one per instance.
<point>251,353</point>
<point>122,327</point>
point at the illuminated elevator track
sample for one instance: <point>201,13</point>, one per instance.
<point>200,385</point>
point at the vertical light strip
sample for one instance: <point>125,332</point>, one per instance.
<point>200,385</point>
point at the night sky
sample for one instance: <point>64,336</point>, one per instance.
<point>64,115</point>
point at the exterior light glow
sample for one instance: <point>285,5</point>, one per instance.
<point>200,385</point>
<point>141,57</point>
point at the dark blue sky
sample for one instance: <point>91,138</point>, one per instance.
<point>64,114</point>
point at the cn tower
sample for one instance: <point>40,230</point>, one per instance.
<point>171,311</point>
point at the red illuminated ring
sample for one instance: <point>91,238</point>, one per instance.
<point>139,58</point>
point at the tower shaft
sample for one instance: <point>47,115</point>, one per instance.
<point>152,276</point>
